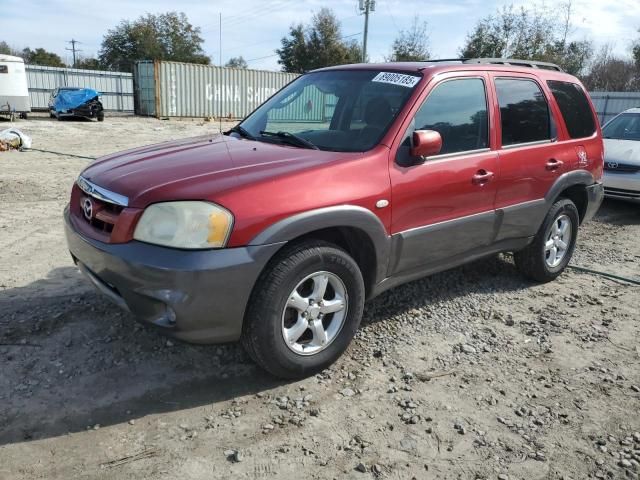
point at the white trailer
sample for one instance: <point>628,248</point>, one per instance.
<point>14,93</point>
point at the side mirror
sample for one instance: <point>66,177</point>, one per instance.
<point>426,143</point>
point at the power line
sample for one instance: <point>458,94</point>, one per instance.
<point>234,20</point>
<point>74,50</point>
<point>276,54</point>
<point>261,58</point>
<point>393,19</point>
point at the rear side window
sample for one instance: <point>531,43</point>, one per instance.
<point>4,69</point>
<point>457,109</point>
<point>575,108</point>
<point>524,113</point>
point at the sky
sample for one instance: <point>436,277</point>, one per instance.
<point>253,28</point>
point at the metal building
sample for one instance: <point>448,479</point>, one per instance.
<point>174,89</point>
<point>116,88</point>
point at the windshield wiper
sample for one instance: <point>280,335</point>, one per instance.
<point>290,138</point>
<point>243,132</point>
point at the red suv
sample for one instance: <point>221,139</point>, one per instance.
<point>347,182</point>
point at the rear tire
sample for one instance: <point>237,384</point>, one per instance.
<point>551,250</point>
<point>101,117</point>
<point>312,294</point>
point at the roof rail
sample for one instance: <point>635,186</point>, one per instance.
<point>515,62</point>
<point>436,60</point>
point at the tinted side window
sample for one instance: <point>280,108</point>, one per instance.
<point>524,113</point>
<point>575,108</point>
<point>457,109</point>
<point>4,69</point>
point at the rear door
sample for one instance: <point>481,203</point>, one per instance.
<point>530,157</point>
<point>442,207</point>
<point>580,124</point>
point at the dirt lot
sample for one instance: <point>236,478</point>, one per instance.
<point>470,374</point>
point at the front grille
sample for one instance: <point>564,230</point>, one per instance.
<point>616,167</point>
<point>104,215</point>
<point>101,214</point>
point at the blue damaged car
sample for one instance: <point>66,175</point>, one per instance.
<point>76,102</point>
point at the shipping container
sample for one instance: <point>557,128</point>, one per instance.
<point>610,104</point>
<point>174,89</point>
<point>116,88</point>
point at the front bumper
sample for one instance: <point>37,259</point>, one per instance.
<point>86,110</point>
<point>595,196</point>
<point>198,296</point>
<point>624,186</point>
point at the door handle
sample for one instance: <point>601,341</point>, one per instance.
<point>482,177</point>
<point>553,164</point>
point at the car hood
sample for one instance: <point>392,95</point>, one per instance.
<point>622,151</point>
<point>195,168</point>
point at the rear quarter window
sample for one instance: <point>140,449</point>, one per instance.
<point>574,107</point>
<point>4,69</point>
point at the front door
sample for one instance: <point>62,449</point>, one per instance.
<point>443,206</point>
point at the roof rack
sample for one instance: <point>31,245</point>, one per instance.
<point>515,62</point>
<point>502,61</point>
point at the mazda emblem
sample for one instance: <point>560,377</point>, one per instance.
<point>87,208</point>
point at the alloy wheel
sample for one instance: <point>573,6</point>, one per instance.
<point>314,313</point>
<point>558,241</point>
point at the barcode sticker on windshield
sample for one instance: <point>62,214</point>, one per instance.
<point>396,79</point>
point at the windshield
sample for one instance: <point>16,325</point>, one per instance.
<point>343,111</point>
<point>623,127</point>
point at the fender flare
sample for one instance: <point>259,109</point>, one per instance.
<point>350,216</point>
<point>566,180</point>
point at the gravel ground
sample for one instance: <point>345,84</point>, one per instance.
<point>474,373</point>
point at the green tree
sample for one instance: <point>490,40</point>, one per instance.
<point>165,36</point>
<point>236,62</point>
<point>412,44</point>
<point>5,49</point>
<point>40,56</point>
<point>319,44</point>
<point>574,57</point>
<point>635,51</point>
<point>536,33</point>
<point>89,63</point>
<point>612,73</point>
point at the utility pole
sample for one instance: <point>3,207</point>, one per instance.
<point>366,6</point>
<point>73,49</point>
<point>220,32</point>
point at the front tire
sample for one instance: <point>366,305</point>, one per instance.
<point>551,250</point>
<point>304,310</point>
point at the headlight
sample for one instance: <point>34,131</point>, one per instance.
<point>191,225</point>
